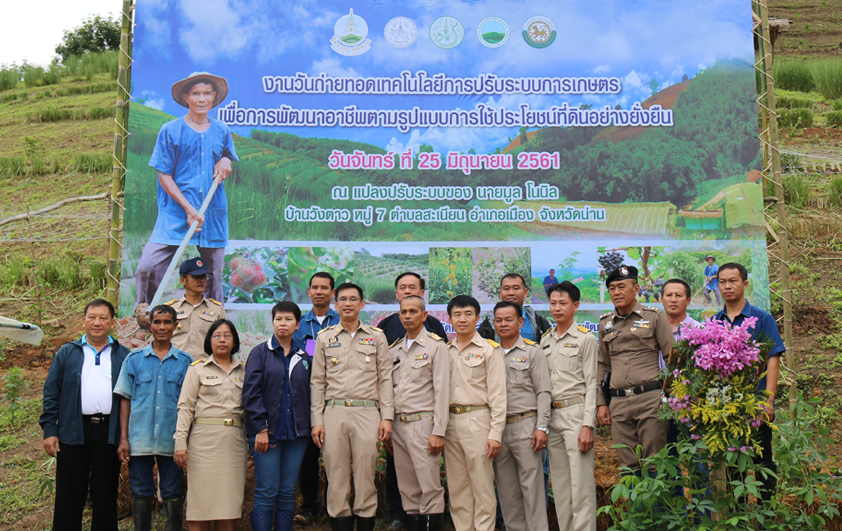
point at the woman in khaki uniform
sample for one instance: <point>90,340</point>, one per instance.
<point>210,432</point>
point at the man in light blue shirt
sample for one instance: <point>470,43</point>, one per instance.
<point>712,280</point>
<point>150,381</point>
<point>190,153</point>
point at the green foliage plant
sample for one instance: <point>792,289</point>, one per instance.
<point>837,105</point>
<point>834,119</point>
<point>827,75</point>
<point>33,75</point>
<point>787,102</point>
<point>793,74</point>
<point>796,190</point>
<point>96,34</point>
<point>835,192</point>
<point>795,118</point>
<point>13,385</point>
<point>450,273</point>
<point>9,78</point>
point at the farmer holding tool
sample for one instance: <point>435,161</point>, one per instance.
<point>195,313</point>
<point>712,280</point>
<point>191,152</point>
<point>630,339</point>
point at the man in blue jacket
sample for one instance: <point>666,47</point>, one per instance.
<point>150,383</point>
<point>80,420</point>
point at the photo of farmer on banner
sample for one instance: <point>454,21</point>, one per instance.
<point>190,153</point>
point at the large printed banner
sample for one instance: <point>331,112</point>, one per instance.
<point>460,140</point>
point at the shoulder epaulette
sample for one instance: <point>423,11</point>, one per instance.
<point>493,343</point>
<point>215,302</point>
<point>376,329</point>
<point>435,336</point>
<point>325,329</point>
<point>200,360</point>
<point>547,332</point>
<point>606,314</point>
<point>583,329</point>
<point>528,341</point>
<point>170,302</point>
<point>652,308</point>
<point>395,342</point>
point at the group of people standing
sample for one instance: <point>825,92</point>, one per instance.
<point>490,403</point>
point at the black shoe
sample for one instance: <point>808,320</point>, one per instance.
<point>365,524</point>
<point>173,511</point>
<point>306,518</point>
<point>342,523</point>
<point>413,522</point>
<point>431,522</point>
<point>397,523</point>
<point>142,513</point>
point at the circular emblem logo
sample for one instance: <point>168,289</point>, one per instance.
<point>539,32</point>
<point>400,32</point>
<point>493,32</point>
<point>624,271</point>
<point>199,263</point>
<point>447,32</point>
<point>349,35</point>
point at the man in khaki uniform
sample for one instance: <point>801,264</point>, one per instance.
<point>477,418</point>
<point>571,353</point>
<point>195,313</point>
<point>421,378</point>
<point>351,378</point>
<point>519,466</point>
<point>630,339</point>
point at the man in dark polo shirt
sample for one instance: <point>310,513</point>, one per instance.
<point>733,281</point>
<point>407,283</point>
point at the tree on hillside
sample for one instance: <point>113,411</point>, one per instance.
<point>96,34</point>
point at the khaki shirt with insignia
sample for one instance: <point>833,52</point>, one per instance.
<point>572,364</point>
<point>209,392</point>
<point>194,323</point>
<point>629,346</point>
<point>350,366</point>
<point>527,381</point>
<point>421,378</point>
<point>477,377</point>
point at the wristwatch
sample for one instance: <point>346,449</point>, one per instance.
<point>545,430</point>
<point>591,427</point>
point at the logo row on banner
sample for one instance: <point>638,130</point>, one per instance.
<point>351,32</point>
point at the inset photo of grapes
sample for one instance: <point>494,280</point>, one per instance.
<point>255,275</point>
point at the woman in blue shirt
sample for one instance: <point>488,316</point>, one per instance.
<point>276,396</point>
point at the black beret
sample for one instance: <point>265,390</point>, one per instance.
<point>621,273</point>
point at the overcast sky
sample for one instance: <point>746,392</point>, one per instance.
<point>32,29</point>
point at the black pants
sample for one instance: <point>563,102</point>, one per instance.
<point>393,495</point>
<point>769,483</point>
<point>91,465</point>
<point>308,480</point>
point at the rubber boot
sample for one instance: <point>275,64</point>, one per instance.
<point>365,524</point>
<point>142,513</point>
<point>262,521</point>
<point>412,521</point>
<point>173,511</point>
<point>342,523</point>
<point>283,520</point>
<point>432,522</point>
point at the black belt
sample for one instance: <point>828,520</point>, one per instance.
<point>95,419</point>
<point>637,390</point>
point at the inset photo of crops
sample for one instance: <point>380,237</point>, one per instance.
<point>450,273</point>
<point>305,261</point>
<point>552,264</point>
<point>255,275</point>
<point>491,263</point>
<point>376,268</point>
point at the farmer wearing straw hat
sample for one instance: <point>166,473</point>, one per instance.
<point>712,280</point>
<point>190,153</point>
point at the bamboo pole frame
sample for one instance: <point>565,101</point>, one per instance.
<point>772,164</point>
<point>118,173</point>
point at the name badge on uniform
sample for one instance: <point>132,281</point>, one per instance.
<point>570,345</point>
<point>473,355</point>
<point>211,377</point>
<point>181,312</point>
<point>367,341</point>
<point>333,342</point>
<point>421,356</point>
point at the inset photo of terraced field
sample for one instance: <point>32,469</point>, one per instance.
<point>376,269</point>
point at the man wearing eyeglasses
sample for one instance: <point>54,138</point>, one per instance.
<point>195,313</point>
<point>351,409</point>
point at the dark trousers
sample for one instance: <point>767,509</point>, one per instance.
<point>170,476</point>
<point>768,483</point>
<point>308,480</point>
<point>93,465</point>
<point>393,495</point>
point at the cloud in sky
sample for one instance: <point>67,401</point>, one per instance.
<point>214,29</point>
<point>157,104</point>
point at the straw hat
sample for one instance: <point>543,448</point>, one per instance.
<point>220,83</point>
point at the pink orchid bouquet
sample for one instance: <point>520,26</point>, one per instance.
<point>714,391</point>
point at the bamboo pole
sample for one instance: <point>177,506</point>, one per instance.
<point>119,163</point>
<point>783,234</point>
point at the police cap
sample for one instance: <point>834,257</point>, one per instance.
<point>621,273</point>
<point>194,266</point>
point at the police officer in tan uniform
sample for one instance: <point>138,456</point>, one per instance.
<point>571,353</point>
<point>351,409</point>
<point>421,378</point>
<point>195,313</point>
<point>630,339</point>
<point>477,418</point>
<point>519,466</point>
